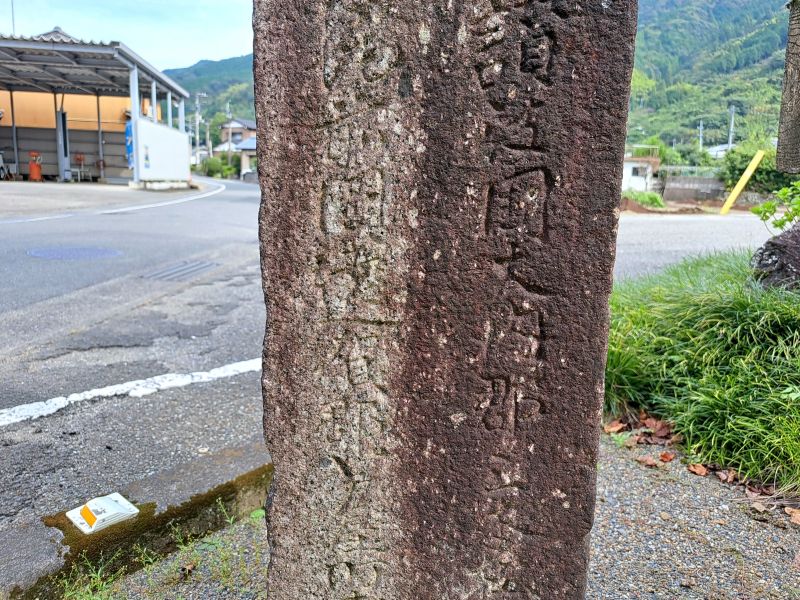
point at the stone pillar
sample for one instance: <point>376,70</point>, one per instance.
<point>440,190</point>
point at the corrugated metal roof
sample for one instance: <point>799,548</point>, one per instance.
<point>57,62</point>
<point>56,35</point>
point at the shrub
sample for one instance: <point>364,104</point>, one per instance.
<point>766,179</point>
<point>648,199</point>
<point>212,167</point>
<point>707,348</point>
<point>786,200</point>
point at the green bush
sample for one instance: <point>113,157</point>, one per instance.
<point>212,167</point>
<point>217,166</point>
<point>766,180</point>
<point>784,210</point>
<point>707,348</point>
<point>648,199</point>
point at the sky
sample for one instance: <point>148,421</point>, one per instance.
<point>166,33</point>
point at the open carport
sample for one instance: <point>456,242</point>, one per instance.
<point>90,111</point>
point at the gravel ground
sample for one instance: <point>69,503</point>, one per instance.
<point>665,533</point>
<point>228,564</point>
<point>660,533</point>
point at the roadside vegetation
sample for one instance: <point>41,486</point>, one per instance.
<point>219,168</point>
<point>706,348</point>
<point>646,199</point>
<point>767,177</point>
<point>223,564</point>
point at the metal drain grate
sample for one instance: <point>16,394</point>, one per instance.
<point>181,271</point>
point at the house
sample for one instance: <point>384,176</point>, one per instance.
<point>237,130</point>
<point>248,151</point>
<point>640,168</point>
<point>90,110</point>
<point>789,130</point>
<point>225,147</point>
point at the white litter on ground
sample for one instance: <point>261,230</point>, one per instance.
<point>135,389</point>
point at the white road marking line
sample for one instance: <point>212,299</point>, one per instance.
<point>124,209</point>
<point>134,389</point>
<point>221,188</point>
<point>34,219</point>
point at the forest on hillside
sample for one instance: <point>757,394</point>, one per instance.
<point>697,58</point>
<point>694,60</point>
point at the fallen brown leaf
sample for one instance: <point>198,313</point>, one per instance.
<point>667,456</point>
<point>650,423</point>
<point>758,507</point>
<point>614,427</point>
<point>698,469</point>
<point>632,441</point>
<point>794,513</point>
<point>675,440</point>
<point>187,570</point>
<point>663,431</point>
<point>647,461</point>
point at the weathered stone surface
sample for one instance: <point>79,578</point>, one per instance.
<point>440,188</point>
<point>777,263</point>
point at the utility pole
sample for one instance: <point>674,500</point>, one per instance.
<point>732,110</point>
<point>197,119</point>
<point>230,130</point>
<point>13,20</point>
<point>702,129</point>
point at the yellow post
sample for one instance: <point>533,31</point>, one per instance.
<point>737,191</point>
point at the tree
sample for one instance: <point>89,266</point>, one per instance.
<point>667,155</point>
<point>641,87</point>
<point>215,127</point>
<point>777,263</point>
<point>766,180</point>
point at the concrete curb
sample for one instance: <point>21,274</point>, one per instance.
<point>188,498</point>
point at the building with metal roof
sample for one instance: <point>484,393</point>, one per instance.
<point>76,72</point>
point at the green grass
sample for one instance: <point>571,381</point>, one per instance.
<point>707,348</point>
<point>648,199</point>
<point>92,581</point>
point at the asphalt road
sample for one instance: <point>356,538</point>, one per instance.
<point>98,299</point>
<point>648,243</point>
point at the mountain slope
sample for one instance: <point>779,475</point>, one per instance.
<point>224,80</point>
<point>695,58</point>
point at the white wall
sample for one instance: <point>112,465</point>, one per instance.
<point>162,153</point>
<point>638,184</point>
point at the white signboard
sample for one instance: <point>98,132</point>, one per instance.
<point>163,152</point>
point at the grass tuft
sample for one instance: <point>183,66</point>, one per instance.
<point>647,199</point>
<point>706,347</point>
